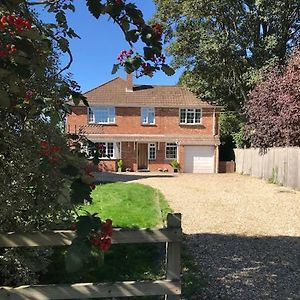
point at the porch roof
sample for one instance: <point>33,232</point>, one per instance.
<point>180,139</point>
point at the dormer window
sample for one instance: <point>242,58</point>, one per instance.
<point>190,116</point>
<point>147,115</point>
<point>102,115</point>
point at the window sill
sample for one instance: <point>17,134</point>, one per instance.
<point>190,124</point>
<point>148,125</point>
<point>103,124</point>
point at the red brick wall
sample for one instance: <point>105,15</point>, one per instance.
<point>107,166</point>
<point>76,119</point>
<point>128,121</point>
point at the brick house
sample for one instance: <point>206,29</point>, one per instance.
<point>149,126</point>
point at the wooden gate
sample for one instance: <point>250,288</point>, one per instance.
<point>170,287</point>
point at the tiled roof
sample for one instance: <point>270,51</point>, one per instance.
<point>114,93</point>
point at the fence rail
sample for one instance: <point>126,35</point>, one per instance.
<point>170,287</point>
<point>279,165</point>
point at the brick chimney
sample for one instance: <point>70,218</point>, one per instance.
<point>129,85</point>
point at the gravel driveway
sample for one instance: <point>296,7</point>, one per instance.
<point>243,233</point>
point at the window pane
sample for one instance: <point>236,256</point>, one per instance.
<point>102,149</point>
<point>152,151</point>
<point>112,113</point>
<point>151,117</point>
<point>144,115</point>
<point>147,115</point>
<point>110,150</point>
<point>104,114</point>
<point>198,116</point>
<point>91,116</point>
<point>171,151</point>
<point>190,116</point>
<point>182,116</point>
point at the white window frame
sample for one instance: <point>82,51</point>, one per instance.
<point>106,150</point>
<point>190,110</point>
<point>171,145</point>
<point>145,111</point>
<point>108,109</point>
<point>153,146</point>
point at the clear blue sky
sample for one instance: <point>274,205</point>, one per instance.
<point>100,43</point>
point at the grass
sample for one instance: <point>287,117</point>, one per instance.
<point>128,205</point>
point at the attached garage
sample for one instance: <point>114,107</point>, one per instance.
<point>199,159</point>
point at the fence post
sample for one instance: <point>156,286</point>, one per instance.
<point>173,254</point>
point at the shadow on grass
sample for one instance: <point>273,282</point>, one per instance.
<point>238,267</point>
<point>107,177</point>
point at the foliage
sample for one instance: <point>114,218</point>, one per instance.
<point>175,164</point>
<point>232,133</point>
<point>224,44</point>
<point>120,164</point>
<point>43,176</point>
<point>273,108</point>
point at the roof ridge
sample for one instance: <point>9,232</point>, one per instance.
<point>109,81</point>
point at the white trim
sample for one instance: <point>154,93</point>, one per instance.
<point>194,111</point>
<point>166,158</point>
<point>150,145</point>
<point>147,110</point>
<point>114,156</point>
<point>104,108</point>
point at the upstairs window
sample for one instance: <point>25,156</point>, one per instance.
<point>147,115</point>
<point>190,116</point>
<point>102,115</point>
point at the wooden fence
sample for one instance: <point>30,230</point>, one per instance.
<point>278,165</point>
<point>170,287</point>
<point>226,166</point>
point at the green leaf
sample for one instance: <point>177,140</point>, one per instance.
<point>128,68</point>
<point>95,7</point>
<point>132,36</point>
<point>61,19</point>
<point>76,256</point>
<point>67,108</point>
<point>125,24</point>
<point>70,170</point>
<point>136,63</point>
<point>148,53</point>
<point>63,44</point>
<point>4,99</point>
<point>4,73</point>
<point>168,70</point>
<point>115,68</point>
<point>84,101</point>
<point>80,192</point>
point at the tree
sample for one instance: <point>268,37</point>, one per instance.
<point>224,44</point>
<point>273,108</point>
<point>42,178</point>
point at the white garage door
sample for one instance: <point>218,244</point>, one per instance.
<point>199,159</point>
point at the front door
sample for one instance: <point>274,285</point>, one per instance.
<point>142,156</point>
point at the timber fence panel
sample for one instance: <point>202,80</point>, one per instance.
<point>170,287</point>
<point>173,254</point>
<point>280,165</point>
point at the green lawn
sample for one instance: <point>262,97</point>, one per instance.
<point>128,205</point>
